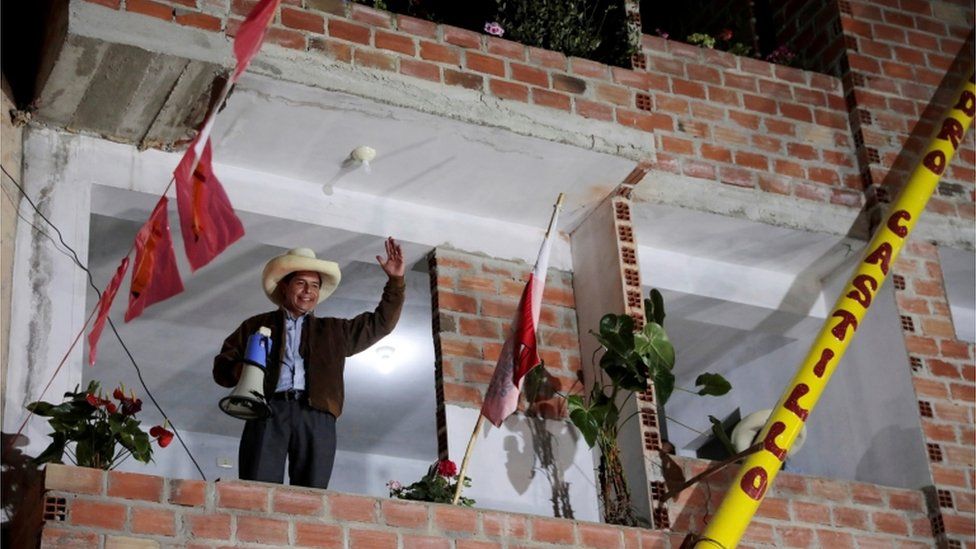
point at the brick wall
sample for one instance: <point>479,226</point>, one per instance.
<point>91,508</point>
<point>807,511</point>
<point>944,377</point>
<point>474,299</point>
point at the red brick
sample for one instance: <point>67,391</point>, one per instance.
<point>262,530</point>
<point>529,75</point>
<point>474,544</point>
<point>600,536</point>
<point>508,90</point>
<point>774,184</point>
<point>394,42</point>
<point>52,536</point>
<point>835,540</point>
<point>344,30</point>
<point>552,531</point>
<point>793,536</point>
<point>714,152</point>
<point>451,519</point>
<point>420,69</point>
<point>741,81</point>
<point>796,112</point>
<point>849,517</point>
<point>751,160</point>
<point>374,17</point>
<point>930,388</point>
<point>759,104</point>
<point>134,486</point>
<point>546,58</point>
<point>455,393</point>
<point>461,37</point>
<point>346,507</point>
<point>801,151</point>
<point>504,525</point>
<point>498,308</point>
<point>547,98</point>
<point>439,53</point>
<point>890,523</point>
<point>737,177</point>
<point>374,60</point>
<point>670,104</point>
<point>160,522</point>
<point>617,95</point>
<point>925,346</point>
<point>77,480</point>
<point>585,67</point>
<point>954,349</point>
<point>285,38</point>
<point>559,296</point>
<point>426,542</point>
<point>775,508</point>
<point>416,27</point>
<point>323,536</point>
<point>208,526</point>
<point>811,513</point>
<point>372,539</point>
<point>780,127</point>
<point>569,84</point>
<point>456,302</point>
<point>148,7</point>
<point>464,79</point>
<point>234,495</point>
<point>907,501</point>
<point>109,516</point>
<point>297,502</point>
<point>687,88</point>
<point>823,175</point>
<point>677,145</point>
<point>648,122</point>
<point>962,393</point>
<point>505,48</point>
<point>867,494</point>
<point>592,109</point>
<point>302,20</point>
<point>404,514</point>
<point>340,51</point>
<point>114,4</point>
<point>477,327</point>
<point>200,21</point>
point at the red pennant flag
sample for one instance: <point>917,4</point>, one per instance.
<point>104,304</point>
<point>207,219</point>
<point>520,353</point>
<point>251,34</point>
<point>154,276</point>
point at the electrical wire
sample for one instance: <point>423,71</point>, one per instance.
<point>91,282</point>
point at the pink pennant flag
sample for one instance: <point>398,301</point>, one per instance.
<point>104,304</point>
<point>207,219</point>
<point>251,34</point>
<point>154,276</point>
<point>520,353</point>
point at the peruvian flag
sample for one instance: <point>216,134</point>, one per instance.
<point>520,353</point>
<point>154,275</point>
<point>207,219</point>
<point>250,35</point>
<point>104,304</point>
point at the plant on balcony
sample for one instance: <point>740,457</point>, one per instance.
<point>630,358</point>
<point>89,428</point>
<point>437,486</point>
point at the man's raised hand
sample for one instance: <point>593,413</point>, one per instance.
<point>393,265</point>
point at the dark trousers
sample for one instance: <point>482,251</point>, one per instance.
<point>305,435</point>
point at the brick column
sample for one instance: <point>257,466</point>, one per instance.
<point>944,377</point>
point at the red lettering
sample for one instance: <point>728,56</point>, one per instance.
<point>893,225</point>
<point>881,257</point>
<point>821,365</point>
<point>935,161</point>
<point>861,293</point>
<point>753,483</point>
<point>769,443</point>
<point>847,319</point>
<point>951,131</point>
<point>967,103</point>
<point>793,401</point>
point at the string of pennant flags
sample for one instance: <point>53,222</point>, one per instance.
<point>207,219</point>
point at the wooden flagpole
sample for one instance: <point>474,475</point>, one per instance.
<point>481,417</point>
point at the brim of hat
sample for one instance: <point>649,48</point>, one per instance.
<point>283,265</point>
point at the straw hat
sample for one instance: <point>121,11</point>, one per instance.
<point>299,259</point>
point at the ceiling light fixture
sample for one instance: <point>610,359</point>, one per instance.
<point>361,156</point>
<point>385,364</point>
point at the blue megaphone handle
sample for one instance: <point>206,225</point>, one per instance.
<point>257,350</point>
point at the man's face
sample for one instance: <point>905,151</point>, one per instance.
<point>302,292</point>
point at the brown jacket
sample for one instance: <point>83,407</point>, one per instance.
<point>325,344</point>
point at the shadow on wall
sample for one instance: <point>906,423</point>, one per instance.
<point>545,455</point>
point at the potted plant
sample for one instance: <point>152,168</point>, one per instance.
<point>89,428</point>
<point>438,485</point>
<point>630,358</point>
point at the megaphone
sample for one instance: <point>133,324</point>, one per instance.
<point>247,400</point>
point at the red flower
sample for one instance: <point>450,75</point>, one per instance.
<point>118,394</point>
<point>110,407</point>
<point>162,435</point>
<point>726,34</point>
<point>130,405</point>
<point>446,468</point>
<point>92,399</point>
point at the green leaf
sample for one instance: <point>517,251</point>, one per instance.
<point>654,307</point>
<point>54,452</point>
<point>712,384</point>
<point>41,408</point>
<point>617,334</point>
<point>663,385</point>
<point>654,347</point>
<point>720,434</point>
<point>586,423</point>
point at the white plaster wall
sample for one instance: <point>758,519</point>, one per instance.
<point>507,475</point>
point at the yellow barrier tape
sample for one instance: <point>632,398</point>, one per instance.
<point>758,472</point>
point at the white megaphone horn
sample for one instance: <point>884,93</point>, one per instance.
<point>247,399</point>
